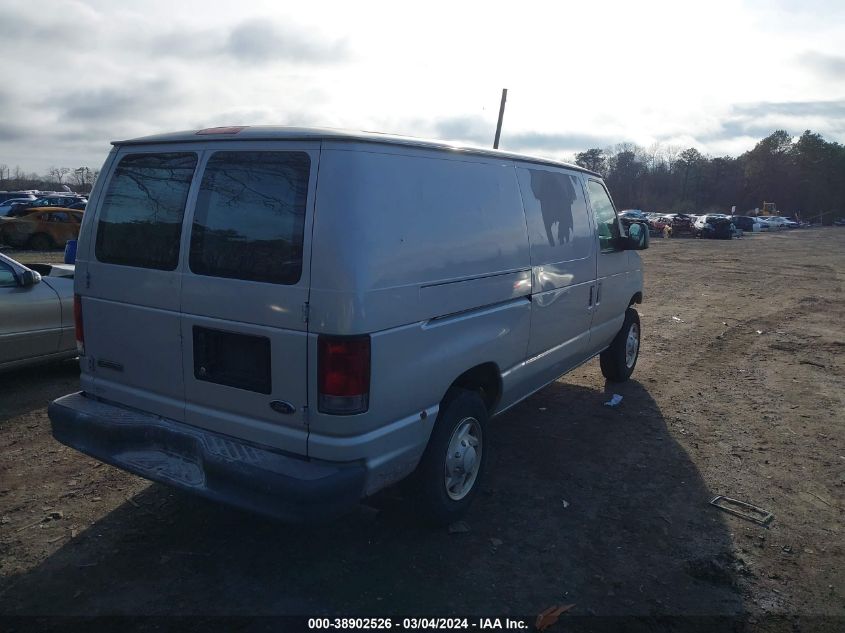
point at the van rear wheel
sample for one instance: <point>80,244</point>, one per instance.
<point>449,474</point>
<point>618,360</point>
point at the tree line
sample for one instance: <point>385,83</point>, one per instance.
<point>803,176</point>
<point>79,179</point>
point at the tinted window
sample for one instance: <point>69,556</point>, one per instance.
<point>235,360</point>
<point>556,213</point>
<point>608,227</point>
<point>7,277</point>
<point>250,216</point>
<point>140,221</point>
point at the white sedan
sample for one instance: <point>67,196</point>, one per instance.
<point>775,221</point>
<point>36,313</point>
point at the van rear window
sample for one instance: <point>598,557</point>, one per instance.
<point>140,221</point>
<point>250,216</point>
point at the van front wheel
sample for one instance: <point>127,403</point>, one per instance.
<point>449,473</point>
<point>618,360</point>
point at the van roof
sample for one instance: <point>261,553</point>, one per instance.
<point>276,132</point>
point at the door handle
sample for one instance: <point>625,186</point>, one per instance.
<point>590,301</point>
<point>283,407</point>
<point>598,294</point>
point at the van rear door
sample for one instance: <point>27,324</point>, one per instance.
<point>245,292</point>
<point>128,281</point>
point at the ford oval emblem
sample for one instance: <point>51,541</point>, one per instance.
<point>280,406</point>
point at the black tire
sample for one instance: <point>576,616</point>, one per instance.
<point>613,360</point>
<point>428,483</point>
<point>40,242</point>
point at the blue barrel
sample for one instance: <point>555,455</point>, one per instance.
<point>70,252</point>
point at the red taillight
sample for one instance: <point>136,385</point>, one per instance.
<point>343,374</point>
<point>77,319</point>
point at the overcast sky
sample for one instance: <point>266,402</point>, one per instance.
<point>713,75</point>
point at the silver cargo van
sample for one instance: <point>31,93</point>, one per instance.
<point>289,320</point>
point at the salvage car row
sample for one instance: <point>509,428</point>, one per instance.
<point>710,225</point>
<point>41,223</point>
<point>16,203</point>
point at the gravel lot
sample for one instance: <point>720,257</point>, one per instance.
<point>738,392</point>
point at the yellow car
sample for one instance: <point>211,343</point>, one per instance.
<point>42,228</point>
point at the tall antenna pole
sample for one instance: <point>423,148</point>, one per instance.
<point>501,116</point>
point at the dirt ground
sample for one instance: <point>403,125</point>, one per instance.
<point>738,392</point>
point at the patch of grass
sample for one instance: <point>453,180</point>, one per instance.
<point>54,256</point>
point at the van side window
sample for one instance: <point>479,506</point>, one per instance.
<point>250,216</point>
<point>556,213</point>
<point>606,221</point>
<point>140,222</point>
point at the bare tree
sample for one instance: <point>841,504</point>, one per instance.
<point>654,156</point>
<point>81,176</point>
<point>84,177</point>
<point>58,174</point>
<point>17,177</point>
<point>690,159</point>
<point>593,159</point>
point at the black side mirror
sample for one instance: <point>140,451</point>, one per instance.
<point>29,278</point>
<point>637,237</point>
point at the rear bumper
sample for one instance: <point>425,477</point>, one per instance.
<point>215,466</point>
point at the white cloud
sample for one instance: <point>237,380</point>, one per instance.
<point>81,74</point>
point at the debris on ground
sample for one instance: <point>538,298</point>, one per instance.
<point>548,617</point>
<point>813,363</point>
<point>678,319</point>
<point>496,542</point>
<point>459,527</point>
<point>742,509</point>
<point>565,503</point>
<point>614,401</point>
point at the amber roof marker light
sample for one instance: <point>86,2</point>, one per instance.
<point>223,130</point>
